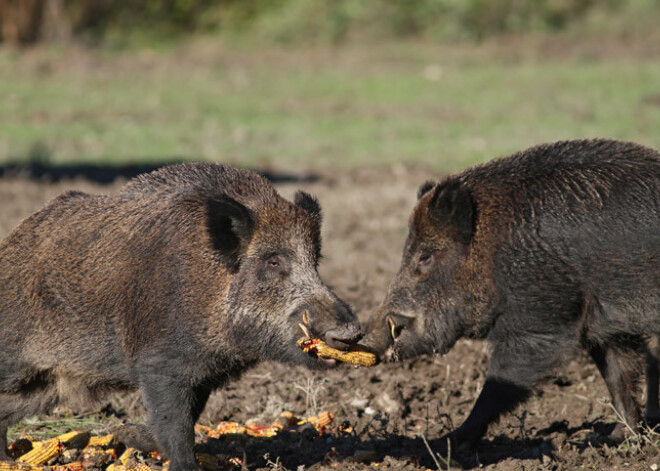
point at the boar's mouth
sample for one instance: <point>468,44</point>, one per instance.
<point>392,338</point>
<point>338,336</point>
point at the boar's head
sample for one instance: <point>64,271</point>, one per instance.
<point>275,295</point>
<point>423,309</point>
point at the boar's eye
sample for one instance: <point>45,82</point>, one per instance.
<point>276,264</point>
<point>424,260</point>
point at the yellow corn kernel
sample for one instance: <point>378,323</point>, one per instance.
<point>116,467</point>
<point>42,452</point>
<point>105,440</point>
<point>354,357</point>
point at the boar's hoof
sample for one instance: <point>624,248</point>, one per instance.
<point>450,445</point>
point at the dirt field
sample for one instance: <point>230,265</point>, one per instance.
<point>390,407</point>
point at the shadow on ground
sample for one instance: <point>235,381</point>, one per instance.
<point>107,174</point>
<point>307,450</point>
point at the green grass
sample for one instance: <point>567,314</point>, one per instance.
<point>446,107</point>
<point>44,429</point>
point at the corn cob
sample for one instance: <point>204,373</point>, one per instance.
<point>255,430</point>
<point>116,467</point>
<point>355,357</point>
<point>224,428</point>
<point>76,466</point>
<point>319,421</point>
<point>69,436</point>
<point>42,452</point>
<point>75,439</point>
<point>126,455</point>
<point>105,440</point>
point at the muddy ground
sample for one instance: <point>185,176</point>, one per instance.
<point>392,408</point>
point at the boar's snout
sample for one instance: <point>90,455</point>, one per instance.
<point>384,330</point>
<point>335,324</point>
<point>344,336</point>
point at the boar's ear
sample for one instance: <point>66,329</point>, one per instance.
<point>231,226</point>
<point>308,203</point>
<point>452,203</point>
<point>426,186</point>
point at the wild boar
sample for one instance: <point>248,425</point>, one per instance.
<point>549,250</point>
<point>173,286</point>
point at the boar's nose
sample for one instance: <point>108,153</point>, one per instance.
<point>343,336</point>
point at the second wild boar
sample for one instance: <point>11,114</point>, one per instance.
<point>550,250</point>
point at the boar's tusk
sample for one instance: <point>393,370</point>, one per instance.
<point>305,330</point>
<point>393,329</point>
<point>305,318</point>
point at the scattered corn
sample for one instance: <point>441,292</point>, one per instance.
<point>355,357</point>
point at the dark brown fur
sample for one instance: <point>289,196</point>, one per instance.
<point>549,250</point>
<point>181,281</point>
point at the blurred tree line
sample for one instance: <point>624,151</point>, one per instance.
<point>30,21</point>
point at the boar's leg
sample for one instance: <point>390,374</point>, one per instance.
<point>170,406</point>
<point>652,412</point>
<point>520,359</point>
<point>496,398</point>
<point>620,367</point>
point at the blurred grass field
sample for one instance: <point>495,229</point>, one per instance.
<point>443,106</point>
